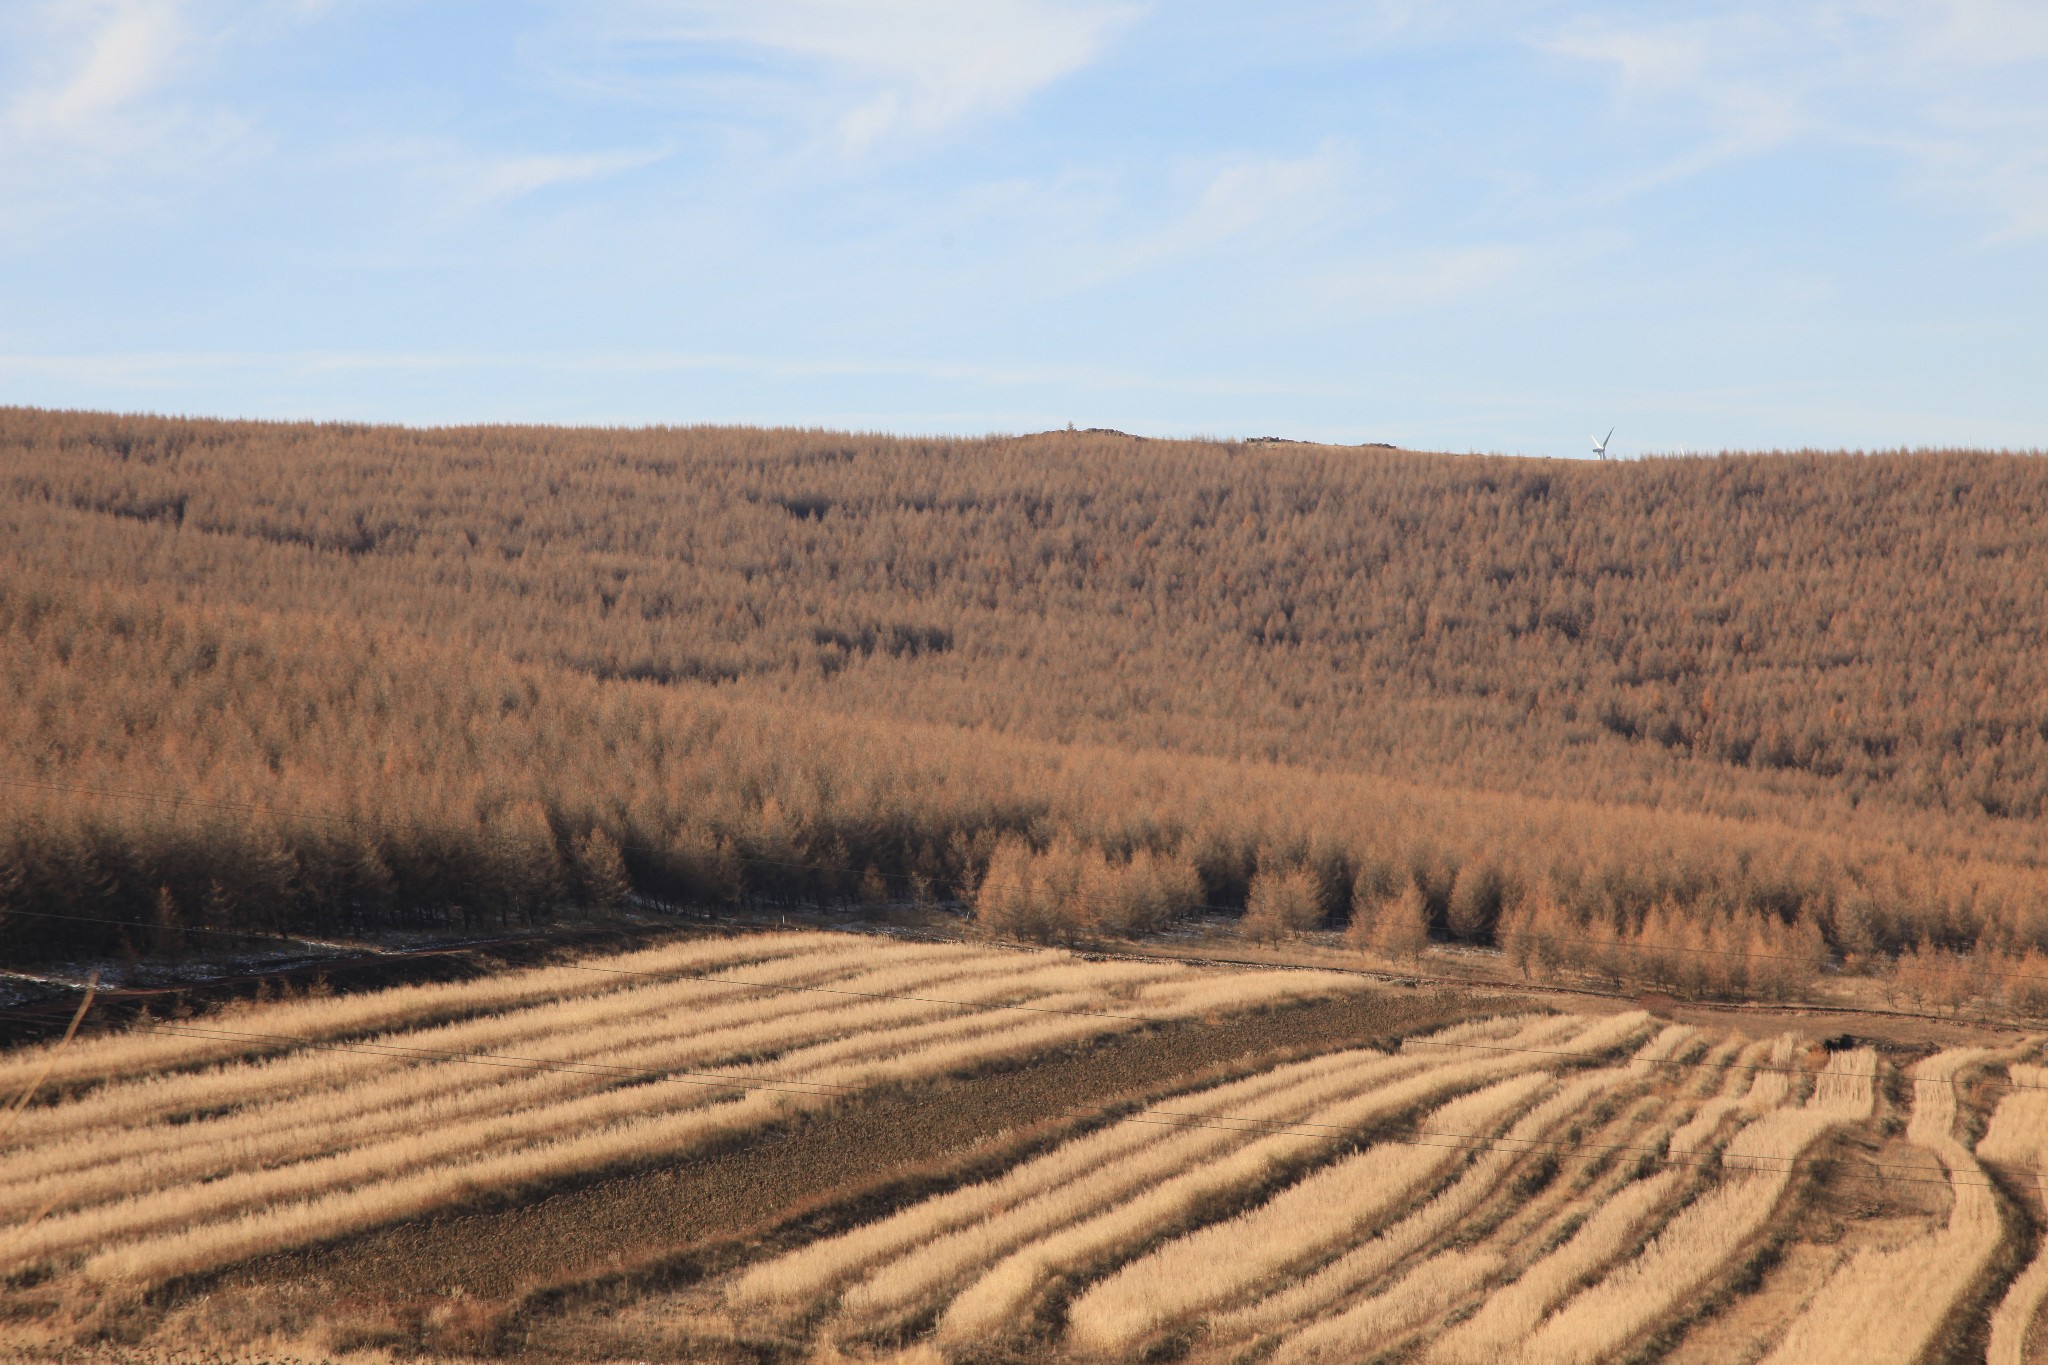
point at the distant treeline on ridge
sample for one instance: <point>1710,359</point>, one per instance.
<point>303,677</point>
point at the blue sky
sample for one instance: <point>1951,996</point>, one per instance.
<point>1492,226</point>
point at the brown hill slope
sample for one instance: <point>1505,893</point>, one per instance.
<point>1838,654</point>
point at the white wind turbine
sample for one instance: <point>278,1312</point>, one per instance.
<point>1600,446</point>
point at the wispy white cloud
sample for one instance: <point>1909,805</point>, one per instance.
<point>108,105</point>
<point>1238,198</point>
<point>1420,279</point>
<point>1731,67</point>
<point>103,110</point>
<point>445,181</point>
<point>98,61</point>
<point>792,178</point>
<point>513,177</point>
<point>1292,231</point>
<point>878,69</point>
<point>1956,90</point>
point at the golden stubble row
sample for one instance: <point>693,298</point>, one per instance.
<point>1512,1310</point>
<point>641,1138</point>
<point>2018,1136</point>
<point>285,1183</point>
<point>1703,1240</point>
<point>1886,1306</point>
<point>128,1117</point>
<point>429,1097</point>
<point>937,1269</point>
<point>919,1250</point>
<point>1510,1314</point>
<point>1005,1290</point>
<point>806,991</point>
<point>1329,1209</point>
<point>988,1248</point>
<point>1535,1316</point>
<point>261,1057</point>
<point>1362,1265</point>
<point>1444,1280</point>
<point>1430,1284</point>
<point>1542,1315</point>
<point>1694,1139</point>
<point>816,1269</point>
<point>130,1053</point>
<point>447,1146</point>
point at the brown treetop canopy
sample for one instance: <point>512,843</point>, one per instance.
<point>1850,643</point>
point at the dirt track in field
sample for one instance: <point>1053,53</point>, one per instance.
<point>833,1165</point>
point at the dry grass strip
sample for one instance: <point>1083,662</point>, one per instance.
<point>1301,1225</point>
<point>125,1054</point>
<point>267,1075</point>
<point>945,1239</point>
<point>882,1050</point>
<point>1888,1305</point>
<point>388,1146</point>
<point>1606,1157</point>
<point>1706,1236</point>
<point>1502,1328</point>
<point>1329,1208</point>
<point>1364,1264</point>
<point>813,1270</point>
<point>434,1097</point>
<point>427,1061</point>
<point>1002,1294</point>
<point>1694,1138</point>
<point>1415,1299</point>
<point>2019,1135</point>
<point>931,1268</point>
<point>1509,1315</point>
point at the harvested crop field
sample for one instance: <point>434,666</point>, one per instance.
<point>786,1146</point>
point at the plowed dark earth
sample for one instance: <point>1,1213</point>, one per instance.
<point>512,1267</point>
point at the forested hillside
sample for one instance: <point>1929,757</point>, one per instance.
<point>1802,697</point>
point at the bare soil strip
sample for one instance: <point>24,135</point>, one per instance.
<point>835,1167</point>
